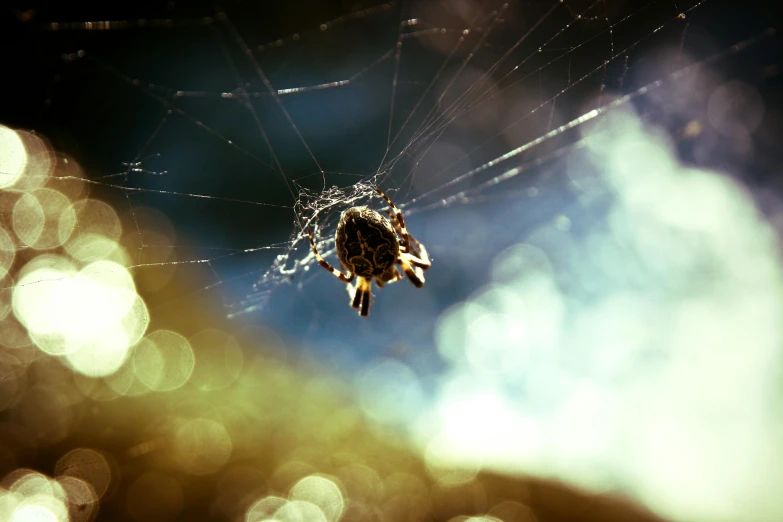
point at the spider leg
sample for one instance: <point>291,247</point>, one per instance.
<point>400,220</point>
<point>413,256</point>
<point>324,263</point>
<point>356,295</point>
<point>415,275</point>
<point>393,221</point>
<point>361,296</point>
<point>415,250</point>
<point>396,225</point>
<point>421,259</point>
<point>365,311</point>
<point>418,248</point>
<point>391,275</point>
<point>418,255</point>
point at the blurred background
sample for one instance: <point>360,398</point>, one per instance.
<point>597,183</point>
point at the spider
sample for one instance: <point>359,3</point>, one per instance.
<point>369,247</point>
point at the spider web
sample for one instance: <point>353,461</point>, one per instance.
<point>249,125</point>
<point>237,129</point>
<point>437,79</point>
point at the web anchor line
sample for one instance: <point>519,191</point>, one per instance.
<point>591,114</point>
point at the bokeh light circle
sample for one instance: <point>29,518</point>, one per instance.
<point>87,465</point>
<point>321,492</point>
<point>163,360</point>
<point>218,359</point>
<point>43,218</point>
<point>13,157</point>
<point>265,508</point>
<point>201,446</point>
<point>300,511</point>
<point>7,252</point>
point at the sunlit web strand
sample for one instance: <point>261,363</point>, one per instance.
<point>469,106</point>
<point>119,25</point>
<point>172,108</point>
<point>440,121</point>
<point>340,83</point>
<point>555,132</point>
<point>135,165</point>
<point>330,24</point>
<point>332,172</point>
<point>244,93</point>
<point>568,52</point>
<point>260,72</point>
<point>489,94</point>
<point>397,52</point>
<point>429,87</point>
<point>278,246</point>
<point>463,110</point>
<point>135,82</point>
<point>167,192</point>
<point>464,195</point>
<point>221,249</point>
<point>248,104</point>
<point>135,223</point>
<point>456,105</point>
<point>205,21</point>
<point>468,93</point>
<point>209,22</point>
<point>133,168</point>
<point>144,245</point>
<point>414,140</point>
<point>734,49</point>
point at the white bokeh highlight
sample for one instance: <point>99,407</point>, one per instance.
<point>642,356</point>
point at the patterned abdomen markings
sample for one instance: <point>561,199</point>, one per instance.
<point>366,242</point>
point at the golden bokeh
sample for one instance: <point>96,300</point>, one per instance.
<point>321,492</point>
<point>298,511</point>
<point>200,446</point>
<point>80,314</point>
<point>7,253</point>
<point>88,218</point>
<point>13,334</point>
<point>87,465</point>
<point>38,165</point>
<point>265,508</point>
<point>82,500</point>
<point>13,157</point>
<point>29,496</point>
<point>28,219</point>
<point>68,177</point>
<point>87,248</point>
<point>218,359</point>
<point>43,218</point>
<point>6,294</point>
<point>153,240</point>
<point>163,360</point>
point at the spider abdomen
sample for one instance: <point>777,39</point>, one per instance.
<point>366,243</point>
